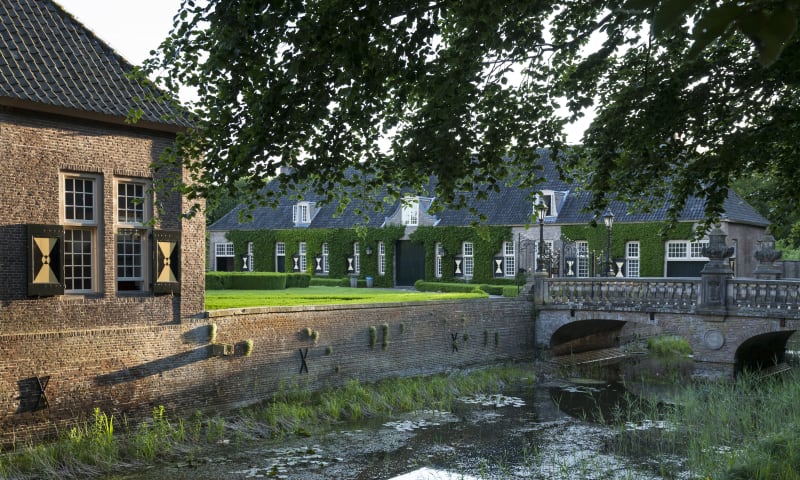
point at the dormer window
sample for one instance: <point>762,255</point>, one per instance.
<point>302,213</point>
<point>548,198</point>
<point>410,213</point>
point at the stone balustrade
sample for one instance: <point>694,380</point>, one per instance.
<point>743,296</point>
<point>673,293</point>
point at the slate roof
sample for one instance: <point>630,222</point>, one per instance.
<point>47,57</point>
<point>510,206</point>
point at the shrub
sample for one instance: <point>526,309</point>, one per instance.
<point>298,280</point>
<point>511,292</point>
<point>326,282</point>
<point>668,346</point>
<point>217,280</point>
<point>258,281</point>
<point>446,287</point>
<point>245,281</point>
<point>492,289</point>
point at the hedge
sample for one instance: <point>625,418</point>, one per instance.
<point>511,292</point>
<point>326,282</point>
<point>255,280</point>
<point>423,286</point>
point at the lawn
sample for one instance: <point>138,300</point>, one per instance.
<point>218,299</point>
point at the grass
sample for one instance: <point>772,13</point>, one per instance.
<point>219,299</point>
<point>97,447</point>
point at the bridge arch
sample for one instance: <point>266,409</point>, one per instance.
<point>761,352</point>
<point>585,335</point>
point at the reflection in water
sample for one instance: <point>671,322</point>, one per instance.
<point>599,403</point>
<point>557,431</point>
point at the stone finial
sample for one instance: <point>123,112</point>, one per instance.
<point>717,252</point>
<point>766,256</point>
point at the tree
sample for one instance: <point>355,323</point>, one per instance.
<point>407,90</point>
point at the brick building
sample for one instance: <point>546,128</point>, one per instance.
<point>86,242</point>
<point>78,211</point>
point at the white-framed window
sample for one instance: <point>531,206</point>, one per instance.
<point>223,256</point>
<point>325,258</point>
<point>381,258</point>
<point>301,252</point>
<point>632,257</point>
<point>582,258</point>
<point>438,260</point>
<point>133,211</point>
<point>509,259</point>
<point>410,211</point>
<point>356,258</point>
<point>81,203</point>
<point>547,197</point>
<point>280,256</point>
<point>250,267</point>
<point>468,256</point>
<point>302,213</point>
<point>686,250</point>
<point>223,249</point>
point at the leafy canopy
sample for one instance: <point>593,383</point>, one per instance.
<point>695,92</point>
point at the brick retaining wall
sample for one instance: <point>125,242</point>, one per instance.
<point>132,369</point>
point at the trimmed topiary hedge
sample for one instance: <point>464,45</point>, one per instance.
<point>511,292</point>
<point>255,280</point>
<point>423,286</point>
<point>326,282</point>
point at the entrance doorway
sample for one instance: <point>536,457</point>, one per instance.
<point>410,262</point>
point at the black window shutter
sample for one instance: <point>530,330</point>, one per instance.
<point>458,266</point>
<point>166,262</point>
<point>499,266</point>
<point>45,260</point>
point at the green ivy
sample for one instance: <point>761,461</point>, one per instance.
<point>487,242</point>
<point>651,237</point>
<point>340,246</point>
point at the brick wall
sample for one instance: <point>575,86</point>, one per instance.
<point>35,149</point>
<point>134,368</point>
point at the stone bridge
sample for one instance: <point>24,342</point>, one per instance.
<point>732,324</point>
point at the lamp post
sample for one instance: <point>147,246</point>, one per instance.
<point>541,211</point>
<point>608,219</point>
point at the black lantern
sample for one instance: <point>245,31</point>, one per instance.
<point>608,219</point>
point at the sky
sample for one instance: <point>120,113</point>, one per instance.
<point>131,27</point>
<point>135,27</point>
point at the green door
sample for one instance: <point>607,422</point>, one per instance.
<point>410,262</point>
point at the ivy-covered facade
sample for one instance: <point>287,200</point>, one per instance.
<point>407,241</point>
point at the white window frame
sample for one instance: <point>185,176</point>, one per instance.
<point>409,214</point>
<point>280,251</point>
<point>438,260</point>
<point>633,255</point>
<point>582,259</point>
<point>223,249</point>
<point>509,259</point>
<point>302,213</point>
<point>89,236</point>
<point>301,252</point>
<point>356,258</point>
<point>325,258</point>
<point>686,250</point>
<point>549,199</point>
<point>381,258</point>
<point>250,257</point>
<point>468,256</point>
<point>133,213</point>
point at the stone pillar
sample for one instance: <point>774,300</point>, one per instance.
<point>539,288</point>
<point>715,274</point>
<point>766,256</point>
